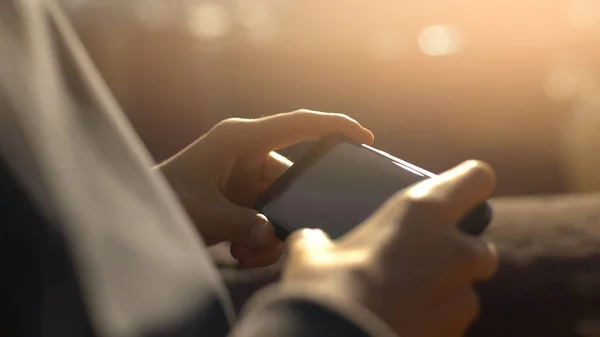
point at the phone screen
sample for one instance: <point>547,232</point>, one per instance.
<point>340,190</point>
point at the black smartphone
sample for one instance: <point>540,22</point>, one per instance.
<point>338,184</point>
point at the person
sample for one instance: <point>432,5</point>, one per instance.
<point>95,242</point>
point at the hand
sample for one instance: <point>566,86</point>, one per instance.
<point>219,176</point>
<point>408,263</point>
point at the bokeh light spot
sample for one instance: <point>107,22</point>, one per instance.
<point>153,14</point>
<point>568,83</point>
<point>208,20</point>
<point>438,40</point>
<point>583,14</point>
<point>252,13</point>
<point>256,17</point>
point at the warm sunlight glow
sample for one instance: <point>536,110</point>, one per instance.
<point>266,32</point>
<point>387,44</point>
<point>252,13</point>
<point>153,14</point>
<point>584,14</point>
<point>349,257</point>
<point>256,17</point>
<point>209,20</point>
<point>568,82</point>
<point>439,40</point>
<point>562,84</point>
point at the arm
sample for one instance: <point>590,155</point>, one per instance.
<point>93,242</point>
<point>83,256</point>
<point>546,284</point>
<point>29,255</point>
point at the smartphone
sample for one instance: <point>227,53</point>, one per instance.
<point>338,184</point>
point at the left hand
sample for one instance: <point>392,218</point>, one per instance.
<point>219,176</point>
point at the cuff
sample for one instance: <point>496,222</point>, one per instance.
<point>322,306</point>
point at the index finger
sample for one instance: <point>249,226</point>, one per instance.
<point>274,167</point>
<point>452,194</point>
<point>282,130</point>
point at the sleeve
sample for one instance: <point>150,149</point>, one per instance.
<point>92,242</point>
<point>35,267</point>
<point>299,312</point>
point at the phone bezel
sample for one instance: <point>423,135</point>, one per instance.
<point>481,215</point>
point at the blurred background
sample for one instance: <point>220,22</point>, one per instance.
<point>512,82</point>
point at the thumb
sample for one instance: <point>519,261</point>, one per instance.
<point>307,239</point>
<point>221,220</point>
<point>247,228</point>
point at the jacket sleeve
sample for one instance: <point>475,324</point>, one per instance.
<point>92,241</point>
<point>36,265</point>
<point>296,312</point>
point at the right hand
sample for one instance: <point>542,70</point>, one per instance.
<point>408,263</point>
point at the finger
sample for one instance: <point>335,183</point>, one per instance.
<point>485,265</point>
<point>457,313</point>
<point>282,130</point>
<point>452,194</point>
<point>249,258</point>
<point>275,165</point>
<point>471,259</point>
<point>242,252</point>
<point>229,222</point>
<point>307,239</point>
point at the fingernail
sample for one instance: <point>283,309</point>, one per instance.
<point>260,231</point>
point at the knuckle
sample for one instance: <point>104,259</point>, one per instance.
<point>304,114</point>
<point>306,117</point>
<point>425,206</point>
<point>322,116</point>
<point>320,123</point>
<point>308,112</point>
<point>341,119</point>
<point>229,125</point>
<point>230,122</point>
<point>228,130</point>
<point>422,202</point>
